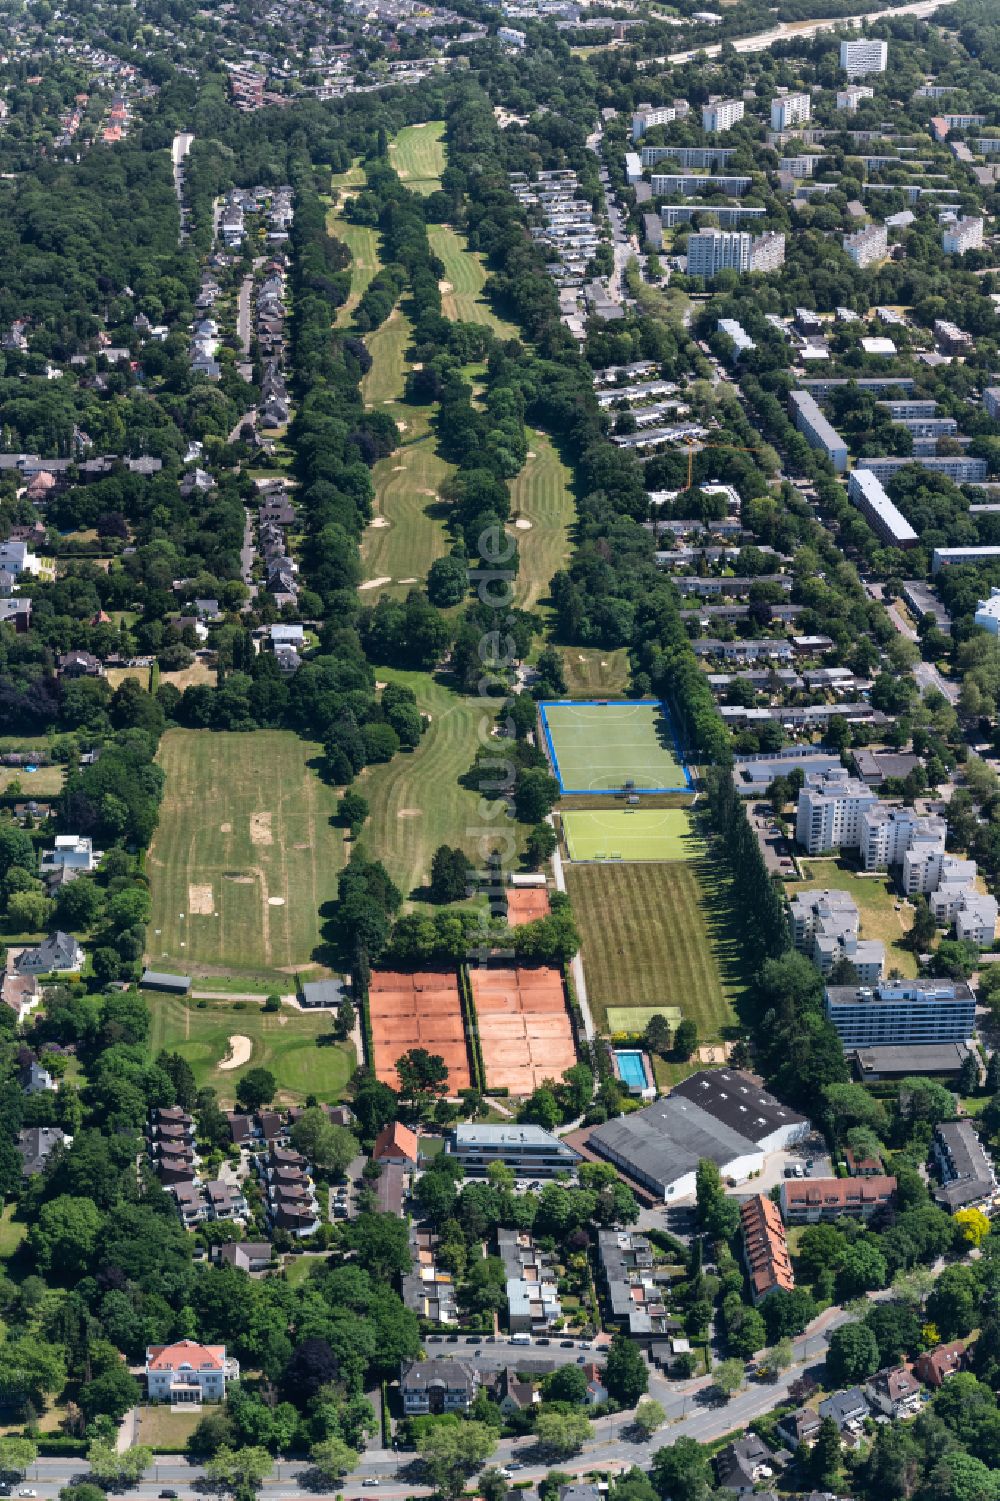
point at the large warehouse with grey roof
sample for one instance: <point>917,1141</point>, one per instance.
<point>720,1114</point>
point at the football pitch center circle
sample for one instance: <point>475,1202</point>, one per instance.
<point>613,748</point>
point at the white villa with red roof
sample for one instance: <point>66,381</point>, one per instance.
<point>188,1372</point>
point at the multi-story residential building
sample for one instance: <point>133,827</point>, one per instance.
<point>901,1012</point>
<point>532,1284</point>
<point>816,429</point>
<point>713,250</point>
<point>867,245</point>
<point>809,1200</point>
<point>963,470</point>
<point>742,341</point>
<point>890,835</point>
<point>886,520</point>
<point>688,156</point>
<point>693,184</point>
<point>966,1173</point>
<point>722,115</point>
<point>830,810</point>
<point>894,1392</point>
<point>428,1290</point>
<point>529,1151</point>
<point>730,216</point>
<point>991,402</point>
<point>825,925</point>
<point>964,234</point>
<point>646,117</point>
<point>634,1298</point>
<point>188,1374</point>
<point>437,1386</point>
<point>790,109</point>
<point>765,1249</point>
<point>852,96</point>
<point>866,55</point>
<point>935,1366</point>
<point>290,1193</point>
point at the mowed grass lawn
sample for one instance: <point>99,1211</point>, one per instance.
<point>285,1041</point>
<point>418,155</point>
<point>658,935</point>
<point>244,855</point>
<point>592,673</point>
<point>541,495</point>
<point>417,801</point>
<point>360,239</point>
<point>408,530</point>
<point>465,274</point>
<point>876,903</point>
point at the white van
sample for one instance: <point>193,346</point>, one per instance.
<point>520,1339</point>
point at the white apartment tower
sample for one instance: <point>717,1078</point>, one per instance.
<point>867,245</point>
<point>713,250</point>
<point>866,55</point>
<point>790,109</point>
<point>964,234</point>
<point>831,808</point>
<point>723,114</point>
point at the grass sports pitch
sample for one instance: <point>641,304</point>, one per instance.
<point>597,747</point>
<point>639,834</point>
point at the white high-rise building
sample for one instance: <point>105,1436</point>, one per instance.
<point>899,836</point>
<point>852,96</point>
<point>964,234</point>
<point>831,808</point>
<point>825,925</point>
<point>867,245</point>
<point>866,55</point>
<point>723,114</point>
<point>790,109</point>
<point>713,250</point>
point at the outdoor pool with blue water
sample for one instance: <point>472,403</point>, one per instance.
<point>631,1069</point>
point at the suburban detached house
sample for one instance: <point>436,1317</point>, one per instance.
<point>435,1386</point>
<point>189,1373</point>
<point>597,1392</point>
<point>848,1409</point>
<point>396,1143</point>
<point>935,1366</point>
<point>59,954</point>
<point>894,1391</point>
<point>246,1255</point>
<point>743,1464</point>
<point>799,1427</point>
<point>512,1395</point>
<point>35,1145</point>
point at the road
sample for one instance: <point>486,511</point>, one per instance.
<point>179,148</point>
<point>622,247</point>
<point>761,40</point>
<point>925,674</point>
<point>243,313</point>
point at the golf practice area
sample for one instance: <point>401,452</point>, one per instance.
<point>633,834</point>
<point>613,747</point>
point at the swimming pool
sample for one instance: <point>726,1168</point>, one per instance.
<point>631,1069</point>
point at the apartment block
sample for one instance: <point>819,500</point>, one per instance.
<point>814,427</point>
<point>693,184</point>
<point>991,402</point>
<point>947,557</point>
<point>722,115</point>
<point>646,117</point>
<point>730,216</point>
<point>825,925</point>
<point>964,234</point>
<point>852,96</point>
<point>713,250</point>
<point>963,470</point>
<point>899,1013</point>
<point>790,109</point>
<point>889,834</point>
<point>886,520</point>
<point>830,811</point>
<point>742,341</point>
<point>765,1249</point>
<point>866,55</point>
<point>967,1177</point>
<point>867,245</point>
<point>809,1201</point>
<point>532,1284</point>
<point>688,156</point>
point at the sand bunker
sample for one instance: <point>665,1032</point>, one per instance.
<point>200,901</point>
<point>379,521</point>
<point>445,286</point>
<point>276,901</point>
<point>410,813</point>
<point>240,1049</point>
<point>375,583</point>
<point>522,525</point>
<point>225,828</point>
<point>260,828</point>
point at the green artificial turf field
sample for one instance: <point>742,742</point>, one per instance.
<point>636,834</point>
<point>600,747</point>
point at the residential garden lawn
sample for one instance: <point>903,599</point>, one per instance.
<point>297,1269</point>
<point>635,834</point>
<point>47,781</point>
<point>244,855</point>
<point>199,673</point>
<point>360,239</point>
<point>163,1426</point>
<point>598,747</point>
<point>117,675</point>
<point>465,273</point>
<point>285,1041</point>
<point>592,673</point>
<point>658,934</point>
<point>416,800</point>
<point>876,904</point>
<point>12,1232</point>
<point>418,155</point>
<point>541,495</point>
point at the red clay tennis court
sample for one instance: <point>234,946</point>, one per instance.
<point>421,1010</point>
<point>526,904</point>
<point>524,1028</point>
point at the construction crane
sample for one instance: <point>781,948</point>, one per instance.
<point>693,447</point>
